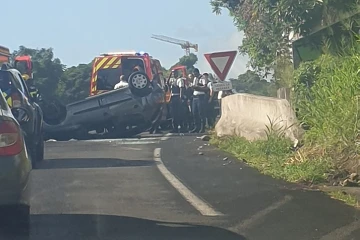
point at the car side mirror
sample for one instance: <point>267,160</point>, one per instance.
<point>21,115</point>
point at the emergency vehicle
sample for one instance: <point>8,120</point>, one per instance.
<point>24,65</point>
<point>4,55</point>
<point>107,69</point>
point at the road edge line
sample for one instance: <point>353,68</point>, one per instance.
<point>204,208</point>
<point>255,218</point>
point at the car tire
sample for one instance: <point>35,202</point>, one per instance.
<point>37,151</point>
<point>15,219</point>
<point>139,84</point>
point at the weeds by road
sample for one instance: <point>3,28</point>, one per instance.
<point>344,197</point>
<point>327,102</point>
<point>274,157</point>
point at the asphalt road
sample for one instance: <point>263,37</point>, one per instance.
<point>161,188</point>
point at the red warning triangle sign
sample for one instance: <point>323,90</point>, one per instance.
<point>221,62</point>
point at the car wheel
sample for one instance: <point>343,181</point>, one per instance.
<point>15,219</point>
<point>139,84</point>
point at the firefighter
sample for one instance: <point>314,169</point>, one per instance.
<point>34,92</point>
<point>177,86</point>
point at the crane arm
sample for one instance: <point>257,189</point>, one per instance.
<point>169,39</point>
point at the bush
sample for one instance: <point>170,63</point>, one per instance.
<point>330,106</point>
<point>327,99</point>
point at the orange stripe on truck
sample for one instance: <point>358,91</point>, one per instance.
<point>102,63</point>
<point>110,63</point>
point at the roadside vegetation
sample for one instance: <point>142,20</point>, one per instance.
<point>327,99</point>
<point>275,157</point>
<point>344,197</point>
<point>325,91</point>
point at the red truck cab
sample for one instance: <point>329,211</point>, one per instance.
<point>24,65</point>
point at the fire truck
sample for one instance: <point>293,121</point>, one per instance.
<point>24,65</point>
<point>107,69</point>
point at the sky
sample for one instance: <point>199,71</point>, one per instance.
<point>79,30</point>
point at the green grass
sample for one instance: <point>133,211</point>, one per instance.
<point>275,158</point>
<point>344,197</point>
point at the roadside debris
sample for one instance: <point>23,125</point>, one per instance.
<point>205,138</point>
<point>227,163</point>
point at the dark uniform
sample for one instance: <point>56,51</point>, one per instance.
<point>34,92</point>
<point>199,102</point>
<point>176,106</point>
<point>188,118</point>
<point>210,112</point>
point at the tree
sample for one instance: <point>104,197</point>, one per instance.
<point>52,77</point>
<point>75,83</point>
<point>267,24</point>
<point>47,69</point>
<point>251,82</point>
<point>188,62</point>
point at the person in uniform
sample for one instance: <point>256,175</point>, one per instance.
<point>210,112</point>
<point>177,86</point>
<point>198,104</point>
<point>34,91</point>
<point>122,83</point>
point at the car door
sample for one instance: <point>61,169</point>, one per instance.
<point>26,101</point>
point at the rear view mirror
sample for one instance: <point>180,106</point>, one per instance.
<point>21,115</point>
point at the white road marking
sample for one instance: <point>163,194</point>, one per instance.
<point>257,217</point>
<point>131,148</point>
<point>342,232</point>
<point>121,140</point>
<point>125,141</point>
<point>199,204</point>
<point>128,141</point>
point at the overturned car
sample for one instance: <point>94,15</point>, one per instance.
<point>117,112</point>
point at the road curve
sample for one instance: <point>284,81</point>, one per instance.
<point>161,188</point>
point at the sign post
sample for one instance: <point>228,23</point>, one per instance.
<point>220,63</point>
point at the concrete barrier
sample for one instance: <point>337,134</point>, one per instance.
<point>248,115</point>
